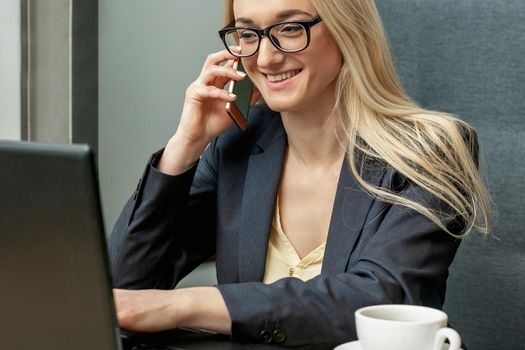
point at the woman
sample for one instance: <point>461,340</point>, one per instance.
<point>341,193</point>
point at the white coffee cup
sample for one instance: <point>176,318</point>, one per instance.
<point>404,327</point>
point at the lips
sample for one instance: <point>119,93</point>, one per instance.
<point>274,78</point>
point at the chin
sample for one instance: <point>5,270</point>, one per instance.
<point>278,106</point>
<point>282,104</point>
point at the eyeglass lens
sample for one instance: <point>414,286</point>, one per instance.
<point>287,37</point>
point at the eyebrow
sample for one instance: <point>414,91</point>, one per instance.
<point>279,16</point>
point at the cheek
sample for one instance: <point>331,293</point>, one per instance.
<point>328,55</point>
<point>249,65</point>
<point>332,61</point>
<point>331,57</point>
<point>326,65</point>
<point>323,53</point>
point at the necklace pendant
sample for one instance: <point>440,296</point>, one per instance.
<point>290,271</point>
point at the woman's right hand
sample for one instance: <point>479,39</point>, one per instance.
<point>203,116</point>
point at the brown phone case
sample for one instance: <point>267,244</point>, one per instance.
<point>236,115</point>
<point>231,108</point>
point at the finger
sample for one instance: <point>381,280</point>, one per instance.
<point>217,58</point>
<point>229,63</point>
<point>235,49</point>
<point>203,93</point>
<point>214,73</point>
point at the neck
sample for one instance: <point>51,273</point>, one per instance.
<point>312,136</point>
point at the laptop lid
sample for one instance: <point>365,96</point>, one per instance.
<point>55,288</point>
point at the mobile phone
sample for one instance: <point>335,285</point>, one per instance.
<point>238,110</point>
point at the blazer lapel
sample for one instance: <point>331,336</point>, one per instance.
<point>351,207</point>
<point>260,192</point>
<point>350,211</point>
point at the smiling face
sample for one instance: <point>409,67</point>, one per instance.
<point>290,82</point>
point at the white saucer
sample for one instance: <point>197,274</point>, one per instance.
<point>354,345</point>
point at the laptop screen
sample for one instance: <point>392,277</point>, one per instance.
<point>55,284</point>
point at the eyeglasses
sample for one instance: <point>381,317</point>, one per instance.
<point>286,36</point>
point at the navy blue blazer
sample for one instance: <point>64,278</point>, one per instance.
<point>376,252</point>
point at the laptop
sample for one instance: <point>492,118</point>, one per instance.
<point>55,286</point>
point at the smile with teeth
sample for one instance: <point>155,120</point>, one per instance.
<point>283,76</point>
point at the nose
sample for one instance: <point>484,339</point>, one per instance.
<point>268,54</point>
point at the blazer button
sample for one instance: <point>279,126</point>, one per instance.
<point>267,336</point>
<point>279,336</point>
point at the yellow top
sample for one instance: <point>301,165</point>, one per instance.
<point>282,259</point>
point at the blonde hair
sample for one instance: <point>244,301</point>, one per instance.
<point>379,122</point>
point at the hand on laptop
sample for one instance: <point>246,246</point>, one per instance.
<point>155,310</point>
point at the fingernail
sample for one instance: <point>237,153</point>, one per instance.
<point>242,74</point>
<point>233,95</point>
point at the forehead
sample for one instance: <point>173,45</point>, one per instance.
<point>268,11</point>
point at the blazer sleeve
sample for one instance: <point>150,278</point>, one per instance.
<point>167,227</point>
<point>404,259</point>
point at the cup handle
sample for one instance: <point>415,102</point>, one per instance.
<point>452,336</point>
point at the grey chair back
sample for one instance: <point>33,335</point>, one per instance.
<point>467,57</point>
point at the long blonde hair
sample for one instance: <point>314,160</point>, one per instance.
<point>378,121</point>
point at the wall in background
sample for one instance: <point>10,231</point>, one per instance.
<point>149,52</point>
<point>10,58</point>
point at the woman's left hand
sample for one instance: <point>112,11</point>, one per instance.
<point>148,310</point>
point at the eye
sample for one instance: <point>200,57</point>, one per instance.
<point>247,35</point>
<point>291,29</point>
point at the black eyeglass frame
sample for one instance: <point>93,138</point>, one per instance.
<point>265,32</point>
